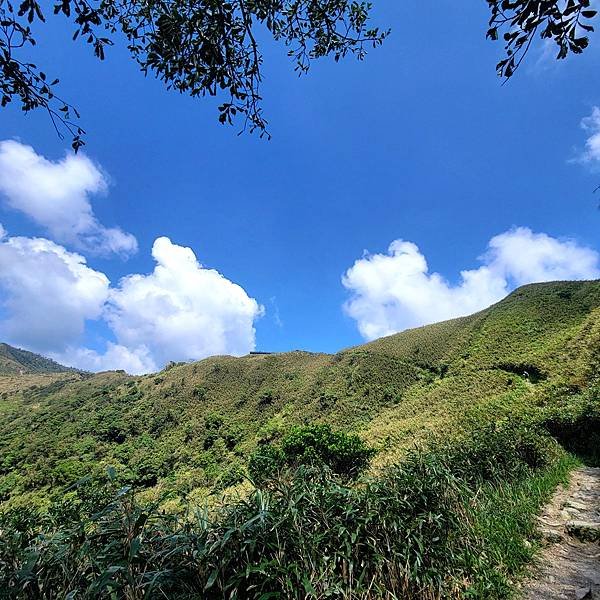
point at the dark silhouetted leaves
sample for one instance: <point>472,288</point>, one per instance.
<point>208,47</point>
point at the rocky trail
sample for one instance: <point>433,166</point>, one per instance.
<point>568,568</point>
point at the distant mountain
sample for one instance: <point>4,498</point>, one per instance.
<point>14,361</point>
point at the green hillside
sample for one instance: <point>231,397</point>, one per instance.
<point>14,361</point>
<point>410,467</point>
<point>190,428</point>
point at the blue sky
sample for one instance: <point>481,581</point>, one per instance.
<point>420,142</point>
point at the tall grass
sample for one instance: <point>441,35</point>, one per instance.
<point>449,522</point>
<point>504,524</point>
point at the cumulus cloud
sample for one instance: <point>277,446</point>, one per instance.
<point>394,291</point>
<point>47,295</point>
<point>56,196</point>
<point>180,311</point>
<point>591,152</point>
<point>115,357</point>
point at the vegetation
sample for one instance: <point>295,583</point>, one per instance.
<point>575,422</point>
<point>17,361</point>
<point>222,38</point>
<point>448,522</point>
<point>225,39</point>
<point>565,23</point>
<point>409,467</point>
<point>188,430</point>
<point>316,445</point>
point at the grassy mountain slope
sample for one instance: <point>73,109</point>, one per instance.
<point>14,361</point>
<point>189,429</point>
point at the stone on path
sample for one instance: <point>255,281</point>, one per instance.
<point>568,568</point>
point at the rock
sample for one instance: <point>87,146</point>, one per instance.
<point>575,504</point>
<point>583,530</point>
<point>551,536</point>
<point>583,593</point>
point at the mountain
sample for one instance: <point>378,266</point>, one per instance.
<point>14,361</point>
<point>190,428</point>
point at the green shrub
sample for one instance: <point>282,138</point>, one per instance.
<point>346,455</point>
<point>505,449</point>
<point>213,421</point>
<point>232,475</point>
<point>430,527</point>
<point>231,436</point>
<point>199,392</point>
<point>266,463</point>
<point>575,423</point>
<point>210,440</point>
<point>267,397</point>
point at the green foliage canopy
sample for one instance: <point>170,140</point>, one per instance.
<point>213,47</point>
<point>189,430</point>
<point>565,23</point>
<point>443,523</point>
<point>198,48</point>
<point>345,454</point>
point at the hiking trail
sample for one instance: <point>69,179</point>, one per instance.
<point>568,567</point>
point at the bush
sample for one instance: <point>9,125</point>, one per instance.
<point>199,392</point>
<point>576,424</point>
<point>266,397</point>
<point>232,475</point>
<point>266,463</point>
<point>503,450</point>
<point>413,532</point>
<point>345,454</point>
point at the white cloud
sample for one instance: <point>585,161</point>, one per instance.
<point>546,56</point>
<point>48,294</point>
<point>591,153</point>
<point>275,312</point>
<point>394,291</point>
<point>180,311</point>
<point>116,357</point>
<point>56,196</point>
<point>522,256</point>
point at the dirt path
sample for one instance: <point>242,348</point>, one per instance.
<point>568,567</point>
